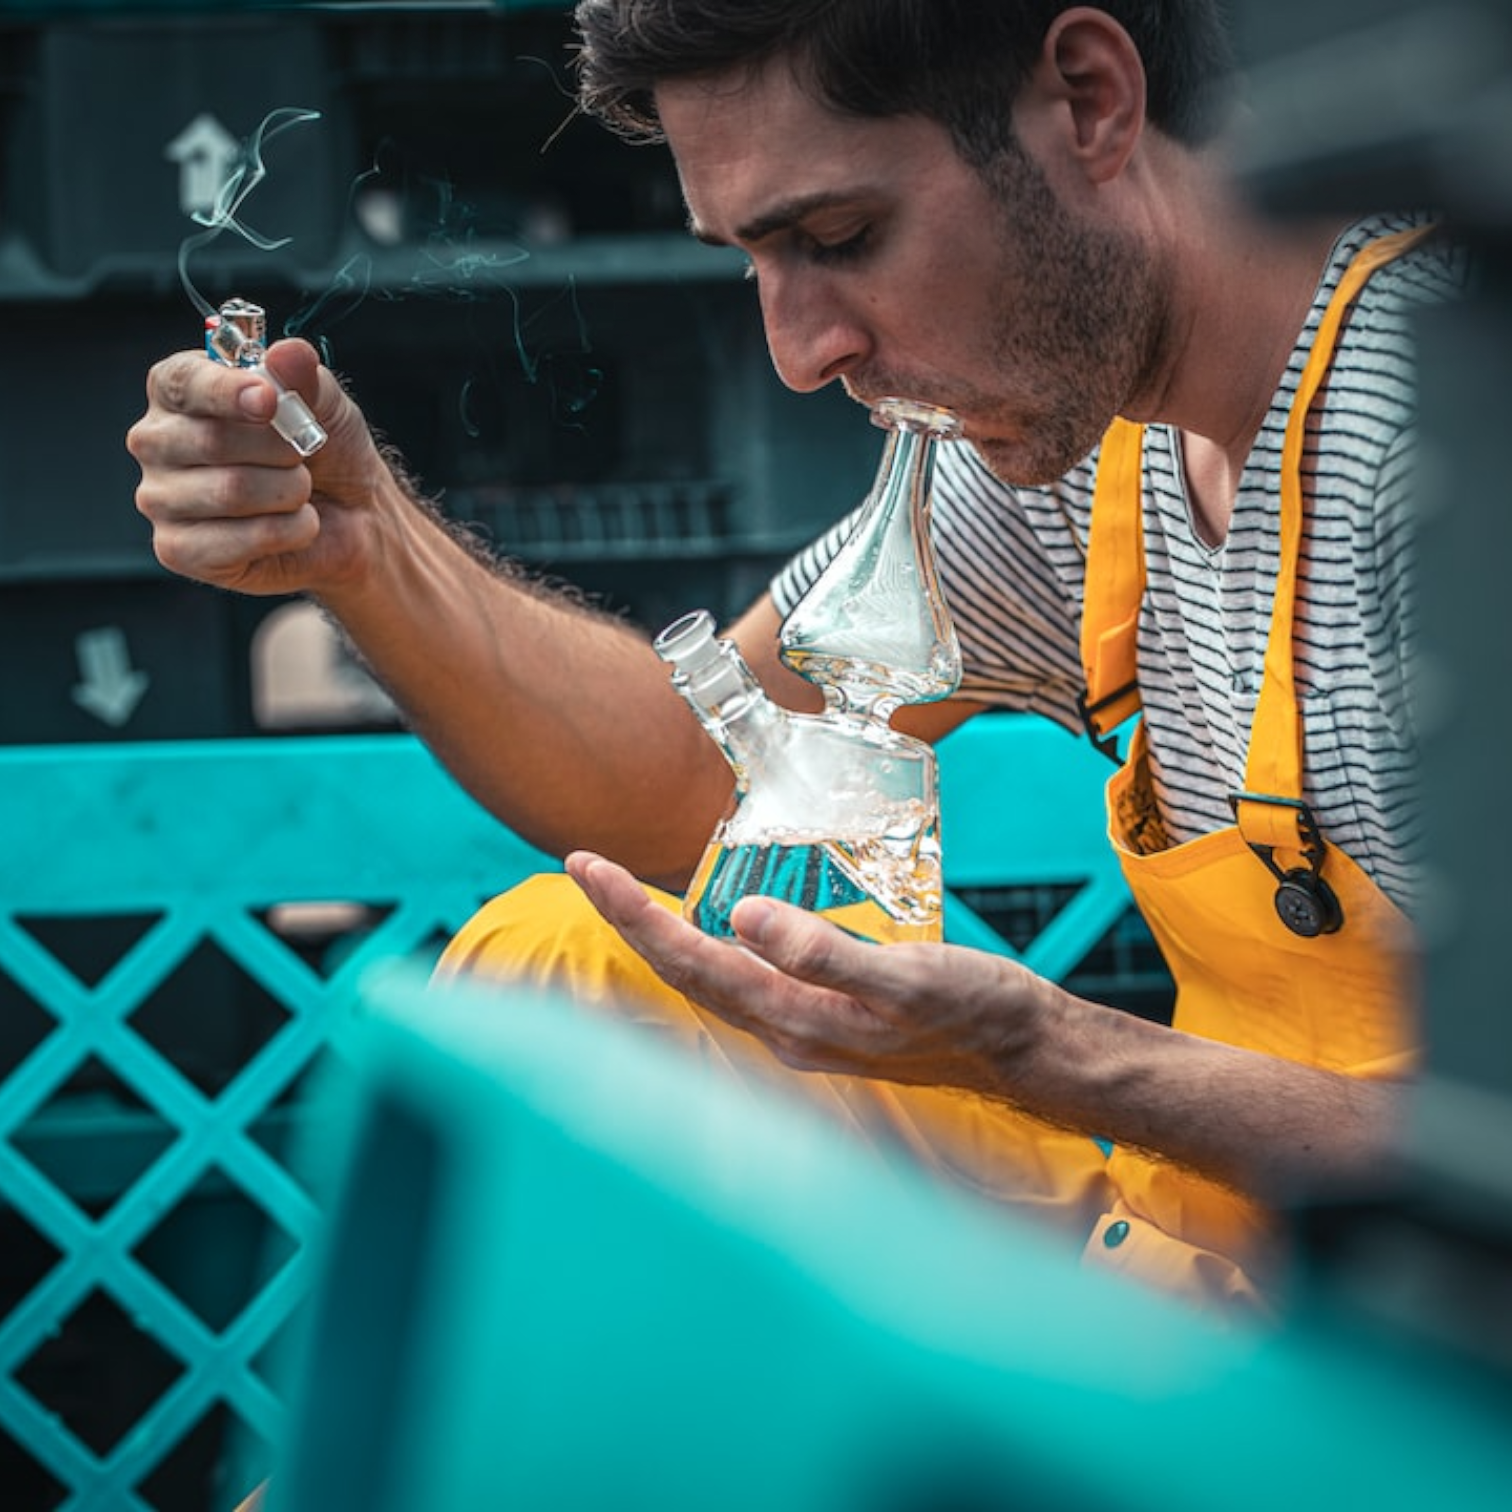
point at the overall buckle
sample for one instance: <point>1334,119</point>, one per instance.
<point>1305,903</point>
<point>1107,744</point>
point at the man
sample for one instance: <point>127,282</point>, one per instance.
<point>1181,417</point>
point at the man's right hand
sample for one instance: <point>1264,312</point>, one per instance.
<point>230,501</point>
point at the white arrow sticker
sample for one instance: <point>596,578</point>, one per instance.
<point>206,153</point>
<point>110,689</point>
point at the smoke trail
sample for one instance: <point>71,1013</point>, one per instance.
<point>447,263</point>
<point>435,246</point>
<point>248,172</point>
<point>447,255</point>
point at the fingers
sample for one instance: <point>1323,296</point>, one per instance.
<point>229,500</point>
<point>245,555</point>
<point>203,413</point>
<point>822,1000</point>
<point>298,367</point>
<point>796,942</point>
<point>775,934</point>
<point>667,941</point>
<point>805,1025</point>
<point>203,463</point>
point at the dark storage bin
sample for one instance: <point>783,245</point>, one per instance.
<point>508,290</point>
<point>124,126</point>
<point>106,660</point>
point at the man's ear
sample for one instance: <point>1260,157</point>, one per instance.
<point>1091,72</point>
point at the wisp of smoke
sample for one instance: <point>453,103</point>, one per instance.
<point>224,215</point>
<point>449,265</point>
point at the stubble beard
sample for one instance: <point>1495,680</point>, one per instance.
<point>1076,328</point>
<point>1073,332</point>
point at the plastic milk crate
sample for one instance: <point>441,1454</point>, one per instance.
<point>182,926</point>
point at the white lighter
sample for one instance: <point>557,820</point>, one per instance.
<point>238,336</point>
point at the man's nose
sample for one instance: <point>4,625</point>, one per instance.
<point>813,337</point>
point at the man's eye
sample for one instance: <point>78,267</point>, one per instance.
<point>825,254</point>
<point>830,254</point>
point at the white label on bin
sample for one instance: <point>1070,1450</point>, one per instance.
<point>206,154</point>
<point>110,689</point>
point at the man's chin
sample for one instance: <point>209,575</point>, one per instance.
<point>1012,462</point>
<point>1025,465</point>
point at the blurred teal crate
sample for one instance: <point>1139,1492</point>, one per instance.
<point>566,1270</point>
<point>183,928</point>
<point>154,1232</point>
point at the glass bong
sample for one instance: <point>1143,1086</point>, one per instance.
<point>837,812</point>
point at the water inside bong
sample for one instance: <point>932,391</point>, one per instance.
<point>883,885</point>
<point>863,684</point>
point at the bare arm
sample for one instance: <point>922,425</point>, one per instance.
<point>941,1015</point>
<point>558,718</point>
<point>561,720</point>
<point>1265,1125</point>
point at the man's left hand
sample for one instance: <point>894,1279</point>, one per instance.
<point>823,1000</point>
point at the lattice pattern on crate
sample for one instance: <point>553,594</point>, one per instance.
<point>1024,836</point>
<point>142,1162</point>
<point>151,889</point>
<point>1123,968</point>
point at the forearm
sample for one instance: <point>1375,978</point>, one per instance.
<point>947,1016</point>
<point>1268,1126</point>
<point>561,721</point>
<point>558,718</point>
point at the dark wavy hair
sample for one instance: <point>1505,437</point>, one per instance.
<point>958,62</point>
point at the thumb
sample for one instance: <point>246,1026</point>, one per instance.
<point>796,941</point>
<point>296,365</point>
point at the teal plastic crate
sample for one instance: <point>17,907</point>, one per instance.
<point>182,930</point>
<point>139,1183</point>
<point>566,1271</point>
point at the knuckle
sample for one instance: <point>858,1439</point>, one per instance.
<point>146,500</point>
<point>225,492</point>
<point>145,440</point>
<point>812,957</point>
<point>164,550</point>
<point>168,383</point>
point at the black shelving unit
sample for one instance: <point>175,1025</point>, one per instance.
<point>508,290</point>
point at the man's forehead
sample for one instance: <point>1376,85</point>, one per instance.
<point>760,152</point>
<point>770,87</point>
<point>743,141</point>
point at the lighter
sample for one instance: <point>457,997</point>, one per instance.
<point>238,337</point>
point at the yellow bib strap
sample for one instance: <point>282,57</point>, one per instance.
<point>1268,810</point>
<point>1115,585</point>
<point>1274,764</point>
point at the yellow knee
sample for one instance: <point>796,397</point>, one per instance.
<point>545,933</point>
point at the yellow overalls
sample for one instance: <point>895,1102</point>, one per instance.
<point>1341,998</point>
<point>1338,1000</point>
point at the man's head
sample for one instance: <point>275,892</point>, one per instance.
<point>957,62</point>
<point>963,201</point>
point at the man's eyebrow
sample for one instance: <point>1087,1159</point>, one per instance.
<point>782,216</point>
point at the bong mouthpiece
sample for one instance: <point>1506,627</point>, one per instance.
<point>689,642</point>
<point>873,631</point>
<point>915,415</point>
<point>237,336</point>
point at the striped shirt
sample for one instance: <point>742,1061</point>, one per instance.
<point>1012,564</point>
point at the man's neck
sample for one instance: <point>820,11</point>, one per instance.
<point>1245,295</point>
